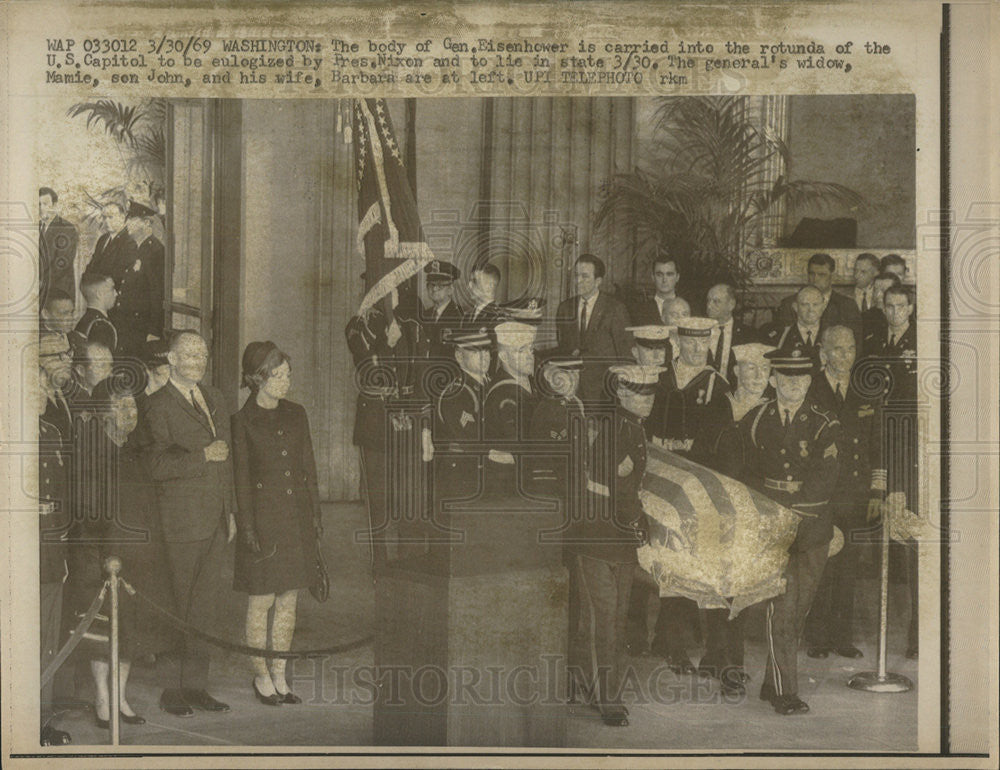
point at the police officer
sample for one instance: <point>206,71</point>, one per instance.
<point>790,448</point>
<point>690,410</point>
<point>893,348</point>
<point>861,485</point>
<point>604,546</point>
<point>138,315</point>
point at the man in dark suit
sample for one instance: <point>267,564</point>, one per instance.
<point>57,241</point>
<point>115,250</point>
<point>838,310</point>
<point>861,484</point>
<point>138,315</point>
<point>652,310</point>
<point>100,295</point>
<point>592,325</point>
<point>189,460</point>
<point>803,332</point>
<point>55,359</point>
<point>721,303</point>
<point>483,283</point>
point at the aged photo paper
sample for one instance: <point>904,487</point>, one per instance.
<point>519,384</point>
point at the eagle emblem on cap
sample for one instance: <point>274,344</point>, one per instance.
<point>435,266</point>
<point>533,305</point>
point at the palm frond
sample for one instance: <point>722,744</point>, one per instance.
<point>119,120</point>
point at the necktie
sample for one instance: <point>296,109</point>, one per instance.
<point>840,394</point>
<point>809,339</point>
<point>663,314</point>
<point>202,414</point>
<point>788,418</point>
<point>583,315</point>
<point>719,363</point>
<point>864,302</point>
<point>892,340</point>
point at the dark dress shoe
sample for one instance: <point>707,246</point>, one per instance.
<point>849,651</point>
<point>135,719</point>
<point>818,652</point>
<point>789,704</point>
<point>52,737</point>
<point>268,700</point>
<point>202,700</point>
<point>104,724</point>
<point>615,716</point>
<point>290,698</point>
<point>172,701</point>
<point>732,682</point>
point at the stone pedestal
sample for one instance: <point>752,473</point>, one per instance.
<point>471,637</point>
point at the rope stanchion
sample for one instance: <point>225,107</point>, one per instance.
<point>76,636</point>
<point>258,652</point>
<point>112,566</point>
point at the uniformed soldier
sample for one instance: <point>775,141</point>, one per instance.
<point>803,333</point>
<point>443,313</point>
<point>458,420</point>
<point>689,411</point>
<point>510,402</point>
<point>894,349</point>
<point>53,523</point>
<point>860,488</point>
<point>100,294</point>
<point>559,417</point>
<point>139,313</point>
<point>790,455</point>
<point>604,546</point>
<point>723,658</point>
<point>652,344</point>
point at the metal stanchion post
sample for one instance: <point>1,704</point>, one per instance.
<point>113,565</point>
<point>882,680</point>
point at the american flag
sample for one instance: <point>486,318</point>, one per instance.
<point>711,538</point>
<point>389,228</point>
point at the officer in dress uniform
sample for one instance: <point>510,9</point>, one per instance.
<point>458,420</point>
<point>443,313</point>
<point>559,417</point>
<point>139,312</point>
<point>860,488</point>
<point>790,455</point>
<point>100,294</point>
<point>604,545</point>
<point>893,348</point>
<point>510,402</point>
<point>802,333</point>
<point>689,411</point>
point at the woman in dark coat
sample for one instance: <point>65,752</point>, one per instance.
<point>118,516</point>
<point>278,510</point>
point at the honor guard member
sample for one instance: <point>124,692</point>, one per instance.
<point>509,403</point>
<point>458,420</point>
<point>860,488</point>
<point>651,344</point>
<point>894,349</point>
<point>100,294</point>
<point>690,409</point>
<point>138,316</point>
<point>603,542</point>
<point>443,313</point>
<point>723,658</point>
<point>791,453</point>
<point>371,338</point>
<point>803,332</point>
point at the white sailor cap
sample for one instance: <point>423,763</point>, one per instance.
<point>752,351</point>
<point>696,327</point>
<point>515,334</point>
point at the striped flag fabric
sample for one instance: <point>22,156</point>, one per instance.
<point>711,538</point>
<point>389,229</point>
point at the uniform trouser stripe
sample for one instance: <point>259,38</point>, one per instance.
<point>595,682</point>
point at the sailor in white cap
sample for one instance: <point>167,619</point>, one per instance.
<point>753,371</point>
<point>690,410</point>
<point>604,547</point>
<point>652,344</point>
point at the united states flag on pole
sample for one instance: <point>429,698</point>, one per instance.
<point>711,538</point>
<point>389,228</point>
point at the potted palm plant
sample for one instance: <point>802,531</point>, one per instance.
<point>706,189</point>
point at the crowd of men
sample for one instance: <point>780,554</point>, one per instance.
<point>786,408</point>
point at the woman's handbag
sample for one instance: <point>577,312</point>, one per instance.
<point>319,585</point>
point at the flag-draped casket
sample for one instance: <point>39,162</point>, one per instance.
<point>711,538</point>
